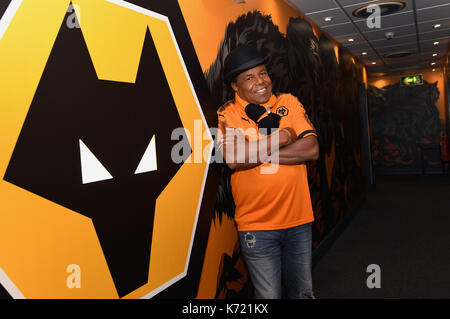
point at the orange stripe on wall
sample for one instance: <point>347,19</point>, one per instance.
<point>207,20</point>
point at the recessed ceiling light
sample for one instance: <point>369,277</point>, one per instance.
<point>434,54</point>
<point>433,63</point>
<point>364,53</point>
<point>437,26</point>
<point>328,19</point>
<point>374,62</point>
<point>386,7</point>
<point>436,43</point>
<point>351,40</point>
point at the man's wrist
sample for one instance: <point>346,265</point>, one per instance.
<point>287,136</point>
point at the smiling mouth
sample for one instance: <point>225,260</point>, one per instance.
<point>263,90</point>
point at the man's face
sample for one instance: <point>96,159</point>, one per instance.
<point>254,85</point>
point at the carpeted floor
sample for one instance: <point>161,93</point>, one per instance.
<point>404,227</point>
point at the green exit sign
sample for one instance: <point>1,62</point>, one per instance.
<point>411,80</point>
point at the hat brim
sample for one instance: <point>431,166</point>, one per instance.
<point>246,66</point>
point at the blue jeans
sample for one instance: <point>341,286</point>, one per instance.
<point>276,256</point>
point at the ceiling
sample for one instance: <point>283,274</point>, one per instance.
<point>413,29</point>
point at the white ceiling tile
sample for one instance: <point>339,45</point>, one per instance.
<point>402,47</point>
<point>412,38</point>
<point>361,46</point>
<point>375,67</point>
<point>340,29</point>
<point>377,60</point>
<point>428,26</point>
<point>357,38</point>
<point>368,59</point>
<point>430,56</point>
<point>420,4</point>
<point>358,53</point>
<point>428,62</point>
<point>433,13</point>
<point>406,69</point>
<point>438,34</point>
<point>308,6</point>
<point>429,46</point>
<point>405,60</point>
<point>345,3</point>
<point>415,55</point>
<point>379,34</point>
<point>337,14</point>
<point>390,21</point>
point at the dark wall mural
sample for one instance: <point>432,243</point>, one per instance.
<point>406,128</point>
<point>233,279</point>
<point>307,67</point>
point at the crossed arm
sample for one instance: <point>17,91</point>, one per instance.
<point>281,147</point>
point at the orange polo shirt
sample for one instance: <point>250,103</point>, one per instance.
<point>278,198</point>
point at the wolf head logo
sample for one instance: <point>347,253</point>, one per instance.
<point>102,149</point>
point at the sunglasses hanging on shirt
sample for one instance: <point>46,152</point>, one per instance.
<point>268,123</point>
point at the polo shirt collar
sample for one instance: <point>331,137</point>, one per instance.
<point>244,103</point>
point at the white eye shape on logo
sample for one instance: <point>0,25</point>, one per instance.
<point>148,161</point>
<point>93,171</point>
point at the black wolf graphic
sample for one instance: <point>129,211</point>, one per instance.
<point>116,121</point>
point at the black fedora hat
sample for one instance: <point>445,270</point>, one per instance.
<point>242,59</point>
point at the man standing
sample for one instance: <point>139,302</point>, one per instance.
<point>273,206</point>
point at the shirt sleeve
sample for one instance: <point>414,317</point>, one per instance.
<point>299,120</point>
<point>226,119</point>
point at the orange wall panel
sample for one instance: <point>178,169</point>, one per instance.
<point>208,19</point>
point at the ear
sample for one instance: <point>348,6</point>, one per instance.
<point>234,86</point>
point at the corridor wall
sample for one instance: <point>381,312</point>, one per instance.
<point>308,64</point>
